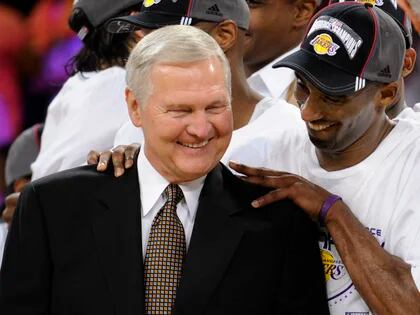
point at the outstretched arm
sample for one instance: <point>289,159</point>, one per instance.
<point>383,280</point>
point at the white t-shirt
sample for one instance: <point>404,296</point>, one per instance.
<point>382,191</point>
<point>85,115</point>
<point>410,113</point>
<point>290,116</point>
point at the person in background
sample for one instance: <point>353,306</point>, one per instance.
<point>22,153</point>
<point>90,107</point>
<point>276,29</point>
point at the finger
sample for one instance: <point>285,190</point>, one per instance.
<point>11,200</point>
<point>272,196</point>
<point>130,152</point>
<point>283,181</point>
<point>253,171</point>
<point>118,159</point>
<point>104,158</point>
<point>7,215</point>
<point>92,157</point>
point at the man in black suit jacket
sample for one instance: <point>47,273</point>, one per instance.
<point>75,246</point>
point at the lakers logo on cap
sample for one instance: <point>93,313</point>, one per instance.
<point>324,45</point>
<point>378,3</point>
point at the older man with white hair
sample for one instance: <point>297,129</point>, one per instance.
<point>176,234</point>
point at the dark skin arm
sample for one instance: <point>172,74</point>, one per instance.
<point>10,207</point>
<point>394,291</point>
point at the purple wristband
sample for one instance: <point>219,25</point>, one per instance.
<point>326,206</point>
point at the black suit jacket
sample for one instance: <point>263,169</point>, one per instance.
<point>75,248</point>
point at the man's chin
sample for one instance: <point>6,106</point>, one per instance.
<point>323,145</point>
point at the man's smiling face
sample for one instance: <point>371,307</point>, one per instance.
<point>336,123</point>
<point>187,119</point>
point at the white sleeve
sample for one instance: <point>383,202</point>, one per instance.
<point>128,134</point>
<point>404,235</point>
<point>3,234</point>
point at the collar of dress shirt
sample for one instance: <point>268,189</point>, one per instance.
<point>271,82</point>
<point>152,185</point>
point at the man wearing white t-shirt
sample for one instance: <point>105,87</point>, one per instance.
<point>90,107</point>
<point>277,28</point>
<point>359,171</point>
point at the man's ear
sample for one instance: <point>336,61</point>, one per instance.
<point>409,61</point>
<point>303,12</point>
<point>225,34</point>
<point>133,107</point>
<point>388,94</point>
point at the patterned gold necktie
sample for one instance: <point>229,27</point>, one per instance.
<point>165,254</point>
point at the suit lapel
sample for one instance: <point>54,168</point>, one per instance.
<point>117,232</point>
<point>214,240</point>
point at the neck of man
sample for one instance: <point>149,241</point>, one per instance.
<point>395,109</point>
<point>358,151</point>
<point>244,99</point>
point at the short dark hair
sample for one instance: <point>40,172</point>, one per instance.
<point>100,49</point>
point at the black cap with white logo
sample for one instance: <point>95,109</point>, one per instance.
<point>158,13</point>
<point>348,44</point>
<point>392,8</point>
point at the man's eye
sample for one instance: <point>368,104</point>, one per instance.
<point>215,109</point>
<point>301,93</point>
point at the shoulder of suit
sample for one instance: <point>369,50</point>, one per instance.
<point>248,191</point>
<point>80,178</point>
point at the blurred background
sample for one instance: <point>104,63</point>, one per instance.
<point>36,44</point>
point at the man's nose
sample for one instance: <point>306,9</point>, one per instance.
<point>311,110</point>
<point>199,125</point>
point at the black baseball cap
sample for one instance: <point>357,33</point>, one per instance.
<point>23,153</point>
<point>158,13</point>
<point>346,45</point>
<point>392,8</point>
<point>99,11</point>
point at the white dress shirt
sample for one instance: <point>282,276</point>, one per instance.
<point>152,186</point>
<point>271,82</point>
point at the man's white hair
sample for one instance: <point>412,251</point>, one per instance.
<point>171,45</point>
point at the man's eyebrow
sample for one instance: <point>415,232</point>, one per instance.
<point>218,102</point>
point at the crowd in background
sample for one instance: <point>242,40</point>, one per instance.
<point>35,46</point>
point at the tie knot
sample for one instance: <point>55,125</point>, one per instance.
<point>174,193</point>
